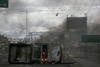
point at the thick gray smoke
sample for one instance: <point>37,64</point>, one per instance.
<point>42,14</point>
<point>94,23</point>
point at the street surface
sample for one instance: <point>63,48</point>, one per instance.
<point>79,62</point>
<point>4,63</point>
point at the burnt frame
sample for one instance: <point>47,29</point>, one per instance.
<point>20,45</point>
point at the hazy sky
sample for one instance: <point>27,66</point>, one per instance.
<point>42,14</point>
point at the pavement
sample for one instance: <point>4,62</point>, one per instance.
<point>41,65</point>
<point>4,63</point>
<point>71,62</point>
<point>87,63</point>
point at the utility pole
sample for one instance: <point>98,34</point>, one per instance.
<point>26,25</point>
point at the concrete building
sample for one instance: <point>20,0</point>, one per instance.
<point>76,27</point>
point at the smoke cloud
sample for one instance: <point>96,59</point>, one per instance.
<point>42,14</point>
